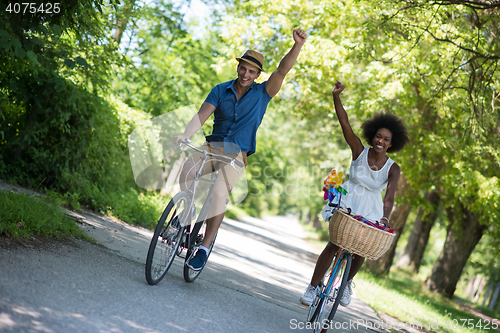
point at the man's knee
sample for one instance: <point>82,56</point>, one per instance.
<point>187,172</point>
<point>187,168</point>
<point>220,192</point>
<point>187,175</point>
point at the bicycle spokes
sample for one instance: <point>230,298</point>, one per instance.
<point>166,240</point>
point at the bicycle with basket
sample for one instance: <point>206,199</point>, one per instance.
<point>175,234</point>
<point>353,236</point>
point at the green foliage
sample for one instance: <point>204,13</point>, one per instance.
<point>452,103</point>
<point>23,215</point>
<point>136,207</point>
<point>400,295</point>
<point>462,31</point>
<point>484,259</point>
<point>73,41</point>
<point>55,130</point>
<point>171,68</point>
<point>169,77</point>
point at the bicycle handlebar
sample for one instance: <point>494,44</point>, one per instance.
<point>187,142</point>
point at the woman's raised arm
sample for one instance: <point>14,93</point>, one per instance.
<point>352,140</point>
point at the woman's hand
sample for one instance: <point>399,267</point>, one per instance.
<point>339,87</point>
<point>299,36</point>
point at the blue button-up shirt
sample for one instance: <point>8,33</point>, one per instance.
<point>236,121</point>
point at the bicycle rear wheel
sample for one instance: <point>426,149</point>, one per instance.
<point>166,239</point>
<point>336,285</point>
<point>189,274</point>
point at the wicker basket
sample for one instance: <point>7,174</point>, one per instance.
<point>358,237</point>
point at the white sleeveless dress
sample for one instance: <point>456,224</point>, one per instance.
<point>364,189</point>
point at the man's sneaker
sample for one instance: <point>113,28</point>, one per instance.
<point>197,262</point>
<point>309,295</point>
<point>346,298</point>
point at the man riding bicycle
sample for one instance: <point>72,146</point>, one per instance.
<point>238,107</point>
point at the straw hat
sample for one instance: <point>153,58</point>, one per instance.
<point>252,57</point>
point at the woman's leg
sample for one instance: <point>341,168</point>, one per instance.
<point>356,264</point>
<point>324,261</point>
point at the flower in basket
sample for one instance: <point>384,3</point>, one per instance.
<point>331,185</point>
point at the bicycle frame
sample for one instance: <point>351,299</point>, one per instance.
<point>333,272</point>
<point>192,233</point>
<point>205,209</point>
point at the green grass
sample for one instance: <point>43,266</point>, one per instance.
<point>22,215</point>
<point>400,295</point>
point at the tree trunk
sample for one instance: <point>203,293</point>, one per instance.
<point>316,222</point>
<point>488,293</point>
<point>494,297</point>
<point>470,286</point>
<point>480,290</point>
<point>122,17</point>
<point>475,284</point>
<point>464,232</point>
<point>419,237</point>
<point>398,217</point>
<point>308,217</point>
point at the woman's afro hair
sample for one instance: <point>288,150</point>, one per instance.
<point>391,122</point>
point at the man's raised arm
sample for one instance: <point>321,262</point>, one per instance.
<point>274,83</point>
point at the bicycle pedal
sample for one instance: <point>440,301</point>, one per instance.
<point>199,239</point>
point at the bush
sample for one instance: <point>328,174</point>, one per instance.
<point>63,138</point>
<point>56,129</point>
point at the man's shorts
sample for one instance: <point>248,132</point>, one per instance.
<point>226,172</point>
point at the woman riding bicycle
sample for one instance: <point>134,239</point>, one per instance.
<point>371,171</point>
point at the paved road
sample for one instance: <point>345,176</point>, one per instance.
<point>252,283</point>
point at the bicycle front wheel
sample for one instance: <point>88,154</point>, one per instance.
<point>315,307</point>
<point>335,290</point>
<point>167,238</point>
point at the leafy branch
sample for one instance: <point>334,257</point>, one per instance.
<point>460,46</point>
<point>474,4</point>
